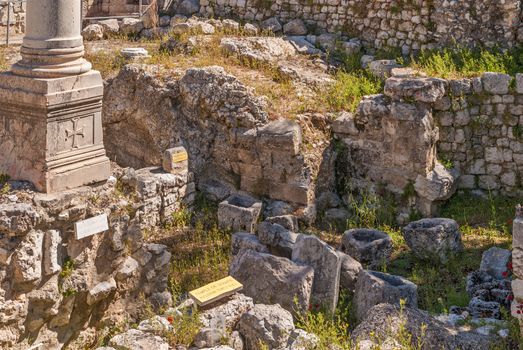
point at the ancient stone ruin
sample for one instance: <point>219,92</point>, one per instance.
<point>261,175</point>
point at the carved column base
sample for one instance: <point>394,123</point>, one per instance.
<point>51,131</point>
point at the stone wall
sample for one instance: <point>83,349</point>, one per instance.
<point>17,18</point>
<point>481,132</point>
<point>55,288</point>
<point>231,144</point>
<point>407,25</point>
<point>436,135</point>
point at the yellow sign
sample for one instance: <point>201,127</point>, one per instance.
<point>180,157</point>
<point>215,291</point>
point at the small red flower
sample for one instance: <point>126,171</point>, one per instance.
<point>504,274</point>
<point>170,319</point>
<point>310,307</point>
<point>510,297</point>
<point>317,306</point>
<point>519,312</point>
<point>509,266</point>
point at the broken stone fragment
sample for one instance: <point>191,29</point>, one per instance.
<point>370,247</point>
<point>433,239</point>
<point>17,218</point>
<point>134,339</point>
<point>101,291</point>
<point>439,184</point>
<point>52,244</point>
<point>239,212</point>
<point>310,250</point>
<point>244,240</point>
<point>266,324</point>
<point>495,262</point>
<point>427,90</point>
<point>281,135</point>
<point>280,240</point>
<point>226,314</point>
<point>375,288</point>
<point>127,270</point>
<point>350,269</point>
<point>277,280</point>
<point>27,258</point>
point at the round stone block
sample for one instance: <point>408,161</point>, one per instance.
<point>370,247</point>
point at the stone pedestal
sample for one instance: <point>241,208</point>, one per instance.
<point>51,130</point>
<point>51,104</point>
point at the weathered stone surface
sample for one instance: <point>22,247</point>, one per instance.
<point>383,68</point>
<point>244,240</point>
<point>131,26</point>
<point>494,261</point>
<point>290,222</point>
<point>93,32</point>
<point>295,27</point>
<point>350,270</point>
<point>266,325</point>
<point>272,24</point>
<point>436,238</point>
<point>18,218</point>
<point>128,269</point>
<point>481,308</point>
<point>496,83</point>
<point>101,291</point>
<point>239,213</point>
<point>310,250</point>
<point>209,337</point>
<point>261,49</point>
<point>373,288</point>
<point>110,26</point>
<point>277,280</point>
<point>280,240</point>
<point>385,320</point>
<point>427,90</point>
<point>188,7</point>
<point>439,184</point>
<point>51,252</point>
<point>134,339</point>
<point>226,314</point>
<point>156,324</point>
<point>27,258</point>
<point>370,247</point>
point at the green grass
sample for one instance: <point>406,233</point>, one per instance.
<point>465,62</point>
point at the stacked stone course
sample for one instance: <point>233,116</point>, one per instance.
<point>481,131</point>
<point>406,25</point>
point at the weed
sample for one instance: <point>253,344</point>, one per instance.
<point>348,90</point>
<point>186,327</point>
<point>67,268</point>
<point>371,210</point>
<point>107,63</point>
<point>466,62</point>
<point>181,217</point>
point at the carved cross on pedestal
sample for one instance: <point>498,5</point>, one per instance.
<point>75,132</point>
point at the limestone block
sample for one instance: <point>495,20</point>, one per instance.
<point>433,238</point>
<point>226,314</point>
<point>496,83</point>
<point>18,218</point>
<point>519,83</point>
<point>269,325</point>
<point>128,269</point>
<point>287,221</point>
<point>494,261</point>
<point>131,26</point>
<point>244,240</point>
<point>383,68</point>
<point>93,32</point>
<point>370,247</point>
<point>27,258</point>
<point>277,280</point>
<point>350,269</point>
<point>280,240</point>
<point>310,250</point>
<point>52,245</point>
<point>175,160</point>
<point>375,288</point>
<point>239,213</point>
<point>272,24</point>
<point>295,27</point>
<point>134,339</point>
<point>110,26</point>
<point>427,90</point>
<point>101,291</point>
<point>439,184</point>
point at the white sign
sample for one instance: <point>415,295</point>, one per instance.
<point>91,226</point>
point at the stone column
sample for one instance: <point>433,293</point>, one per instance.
<point>517,266</point>
<point>51,103</point>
